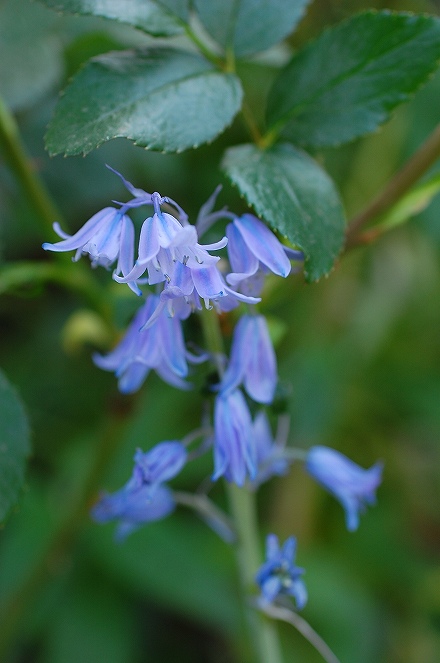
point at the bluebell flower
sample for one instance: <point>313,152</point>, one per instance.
<point>133,508</point>
<point>269,453</point>
<point>160,347</point>
<point>253,249</point>
<point>253,361</point>
<point>144,498</point>
<point>159,464</point>
<point>353,486</point>
<point>164,241</point>
<point>107,235</point>
<point>234,449</point>
<point>279,575</point>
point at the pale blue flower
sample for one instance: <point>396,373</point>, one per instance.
<point>160,347</point>
<point>353,486</point>
<point>253,361</point>
<point>279,575</point>
<point>104,237</point>
<point>144,498</point>
<point>234,449</point>
<point>159,464</point>
<point>165,241</point>
<point>253,246</point>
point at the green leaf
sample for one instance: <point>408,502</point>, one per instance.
<point>346,83</point>
<point>145,15</point>
<point>14,446</point>
<point>30,55</point>
<point>161,99</point>
<point>295,196</point>
<point>249,26</point>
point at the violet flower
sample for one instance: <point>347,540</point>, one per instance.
<point>234,450</point>
<point>353,486</point>
<point>253,360</point>
<point>252,246</point>
<point>160,347</point>
<point>279,575</point>
<point>104,237</point>
<point>144,498</point>
<point>163,242</point>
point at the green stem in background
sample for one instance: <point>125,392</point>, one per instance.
<point>77,278</point>
<point>262,631</point>
<point>27,276</point>
<point>65,535</point>
<point>209,55</point>
<point>403,180</point>
<point>291,617</point>
<point>19,163</point>
<point>252,125</point>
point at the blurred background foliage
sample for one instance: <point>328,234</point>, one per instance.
<point>359,357</point>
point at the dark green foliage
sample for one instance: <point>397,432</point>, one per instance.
<point>346,83</point>
<point>14,446</point>
<point>161,99</point>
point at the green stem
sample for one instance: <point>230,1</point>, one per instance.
<point>209,55</point>
<point>262,631</point>
<point>403,180</point>
<point>15,156</point>
<point>23,275</point>
<point>252,125</point>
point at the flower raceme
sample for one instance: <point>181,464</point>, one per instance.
<point>169,251</point>
<point>279,575</point>
<point>353,486</point>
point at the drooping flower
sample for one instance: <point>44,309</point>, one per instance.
<point>107,235</point>
<point>279,575</point>
<point>234,450</point>
<point>253,249</point>
<point>159,464</point>
<point>352,485</point>
<point>160,347</point>
<point>133,508</point>
<point>253,360</point>
<point>144,498</point>
<point>270,458</point>
<point>165,241</point>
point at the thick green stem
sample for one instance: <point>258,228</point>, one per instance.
<point>262,631</point>
<point>19,163</point>
<point>403,180</point>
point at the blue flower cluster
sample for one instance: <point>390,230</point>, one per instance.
<point>185,274</point>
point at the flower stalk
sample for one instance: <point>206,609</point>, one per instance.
<point>18,161</point>
<point>262,631</point>
<point>403,180</point>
